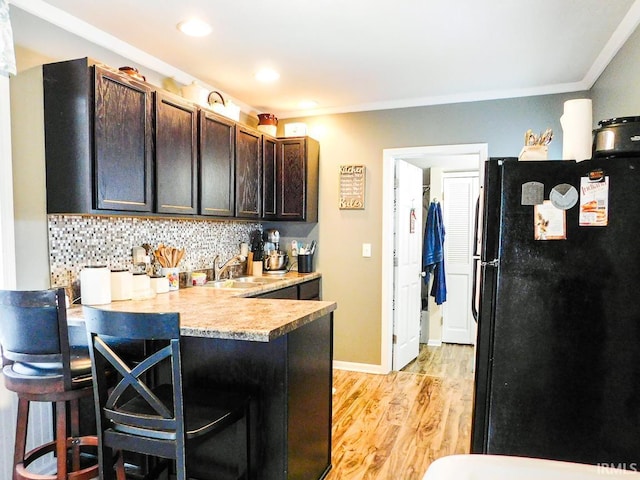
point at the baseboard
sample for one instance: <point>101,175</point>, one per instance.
<point>434,343</point>
<point>360,367</point>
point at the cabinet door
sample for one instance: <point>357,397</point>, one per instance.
<point>309,290</point>
<point>122,143</point>
<point>287,293</point>
<point>269,153</point>
<point>291,181</point>
<point>176,155</point>
<point>217,157</point>
<point>248,173</point>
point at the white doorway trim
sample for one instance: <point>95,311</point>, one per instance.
<point>389,157</point>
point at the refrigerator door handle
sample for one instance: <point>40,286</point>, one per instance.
<point>474,297</point>
<point>476,229</point>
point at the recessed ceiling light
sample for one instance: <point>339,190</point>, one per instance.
<point>194,28</point>
<point>267,75</point>
<point>306,104</point>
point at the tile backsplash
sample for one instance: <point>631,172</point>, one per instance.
<point>76,241</point>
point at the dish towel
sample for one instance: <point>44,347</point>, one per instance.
<point>433,253</point>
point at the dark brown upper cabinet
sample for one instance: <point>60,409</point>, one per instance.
<point>217,165</point>
<point>248,173</point>
<point>176,154</point>
<point>117,145</point>
<point>297,163</point>
<point>269,153</point>
<point>98,139</point>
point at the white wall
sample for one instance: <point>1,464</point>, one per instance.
<point>41,429</point>
<point>29,185</point>
<point>7,269</point>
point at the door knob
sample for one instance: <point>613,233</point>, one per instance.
<point>423,274</point>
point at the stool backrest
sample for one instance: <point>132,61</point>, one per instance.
<point>33,328</point>
<point>109,332</point>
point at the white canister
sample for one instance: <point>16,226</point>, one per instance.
<point>159,284</point>
<point>121,285</point>
<point>141,286</point>
<point>95,285</point>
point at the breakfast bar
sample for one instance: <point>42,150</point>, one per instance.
<point>278,350</point>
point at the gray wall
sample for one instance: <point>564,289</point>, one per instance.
<point>617,92</point>
<point>360,138</point>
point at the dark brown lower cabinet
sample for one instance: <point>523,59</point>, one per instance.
<point>303,291</point>
<point>291,380</point>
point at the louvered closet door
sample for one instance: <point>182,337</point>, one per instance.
<point>460,191</point>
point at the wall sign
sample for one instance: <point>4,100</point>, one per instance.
<point>352,181</point>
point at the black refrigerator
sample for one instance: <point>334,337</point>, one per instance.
<point>557,371</point>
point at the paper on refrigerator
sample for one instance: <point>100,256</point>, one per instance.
<point>594,202</point>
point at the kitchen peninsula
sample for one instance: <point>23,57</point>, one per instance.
<point>281,350</point>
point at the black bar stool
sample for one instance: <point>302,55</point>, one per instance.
<point>40,365</point>
<point>148,411</point>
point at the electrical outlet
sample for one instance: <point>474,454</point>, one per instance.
<point>366,249</point>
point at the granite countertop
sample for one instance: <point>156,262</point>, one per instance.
<point>226,314</point>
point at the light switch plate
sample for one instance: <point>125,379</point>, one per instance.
<point>366,249</point>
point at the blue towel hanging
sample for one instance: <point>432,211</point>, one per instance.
<point>433,252</point>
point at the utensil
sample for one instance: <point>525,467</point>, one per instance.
<point>168,257</point>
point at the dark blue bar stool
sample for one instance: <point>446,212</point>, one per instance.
<point>148,411</point>
<point>40,365</point>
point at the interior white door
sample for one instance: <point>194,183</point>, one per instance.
<point>460,191</point>
<point>407,263</point>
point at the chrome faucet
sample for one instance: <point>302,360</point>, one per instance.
<point>218,269</point>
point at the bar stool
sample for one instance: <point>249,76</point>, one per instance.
<point>148,411</point>
<point>40,365</point>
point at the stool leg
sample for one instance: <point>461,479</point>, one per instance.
<point>120,475</point>
<point>74,414</point>
<point>61,439</point>
<point>21,434</point>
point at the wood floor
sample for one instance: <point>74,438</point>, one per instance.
<point>391,427</point>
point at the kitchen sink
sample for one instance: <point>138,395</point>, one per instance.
<point>256,279</point>
<point>241,282</point>
<point>229,284</point>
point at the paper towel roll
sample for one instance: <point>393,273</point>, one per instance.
<point>95,285</point>
<point>577,125</point>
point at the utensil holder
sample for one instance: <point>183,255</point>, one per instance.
<point>173,275</point>
<point>305,263</point>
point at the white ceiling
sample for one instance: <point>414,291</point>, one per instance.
<point>356,55</point>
